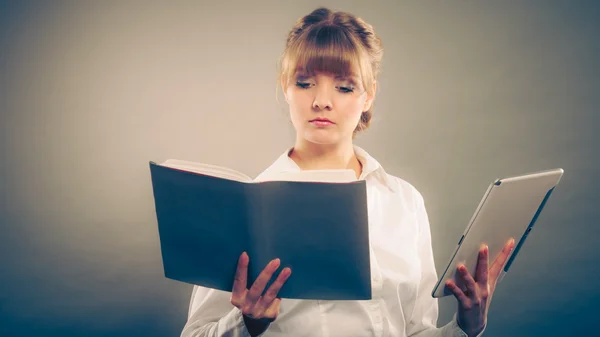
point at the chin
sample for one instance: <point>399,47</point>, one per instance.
<point>322,137</point>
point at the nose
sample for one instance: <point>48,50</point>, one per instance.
<point>322,98</point>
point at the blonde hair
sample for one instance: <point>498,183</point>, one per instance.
<point>333,42</point>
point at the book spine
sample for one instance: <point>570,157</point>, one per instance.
<point>257,236</point>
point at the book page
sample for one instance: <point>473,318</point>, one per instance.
<point>330,176</point>
<point>208,169</point>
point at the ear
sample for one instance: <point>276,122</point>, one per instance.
<point>370,98</point>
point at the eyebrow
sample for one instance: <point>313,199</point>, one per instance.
<point>352,79</point>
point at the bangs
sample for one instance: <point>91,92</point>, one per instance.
<point>326,49</point>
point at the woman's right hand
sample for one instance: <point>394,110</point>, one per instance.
<point>259,311</point>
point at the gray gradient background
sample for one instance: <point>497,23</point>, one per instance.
<point>469,91</point>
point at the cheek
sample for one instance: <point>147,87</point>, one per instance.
<point>299,102</point>
<point>297,107</point>
<point>294,99</point>
<point>352,107</point>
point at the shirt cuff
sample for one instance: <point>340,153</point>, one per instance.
<point>233,323</point>
<point>456,330</point>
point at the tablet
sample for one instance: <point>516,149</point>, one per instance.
<point>509,208</point>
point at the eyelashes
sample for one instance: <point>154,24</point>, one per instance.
<point>306,85</point>
<point>302,85</point>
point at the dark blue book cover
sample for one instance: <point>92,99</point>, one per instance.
<point>318,229</point>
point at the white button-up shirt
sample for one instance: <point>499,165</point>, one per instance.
<point>402,276</point>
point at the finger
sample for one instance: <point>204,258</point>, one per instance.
<point>482,266</point>
<point>241,275</point>
<point>468,280</point>
<point>261,281</point>
<point>273,290</point>
<point>265,301</point>
<point>273,310</point>
<point>501,259</point>
<point>458,293</point>
<point>256,310</point>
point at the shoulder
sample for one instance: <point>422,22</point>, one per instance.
<point>282,164</point>
<point>404,189</point>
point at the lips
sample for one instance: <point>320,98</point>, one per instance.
<point>321,123</point>
<point>322,120</point>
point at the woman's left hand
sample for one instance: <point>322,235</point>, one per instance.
<point>473,303</point>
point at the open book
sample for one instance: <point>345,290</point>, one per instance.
<point>315,221</point>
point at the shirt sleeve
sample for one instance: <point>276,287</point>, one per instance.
<point>424,318</point>
<point>211,314</point>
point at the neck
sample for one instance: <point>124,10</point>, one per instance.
<point>311,156</point>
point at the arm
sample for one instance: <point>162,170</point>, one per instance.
<point>212,315</point>
<point>424,317</point>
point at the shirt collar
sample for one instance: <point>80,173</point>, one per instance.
<point>370,167</point>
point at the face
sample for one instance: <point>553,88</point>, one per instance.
<point>324,96</point>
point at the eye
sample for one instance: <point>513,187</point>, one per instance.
<point>303,85</point>
<point>346,89</point>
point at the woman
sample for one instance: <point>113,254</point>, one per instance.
<point>328,75</point>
